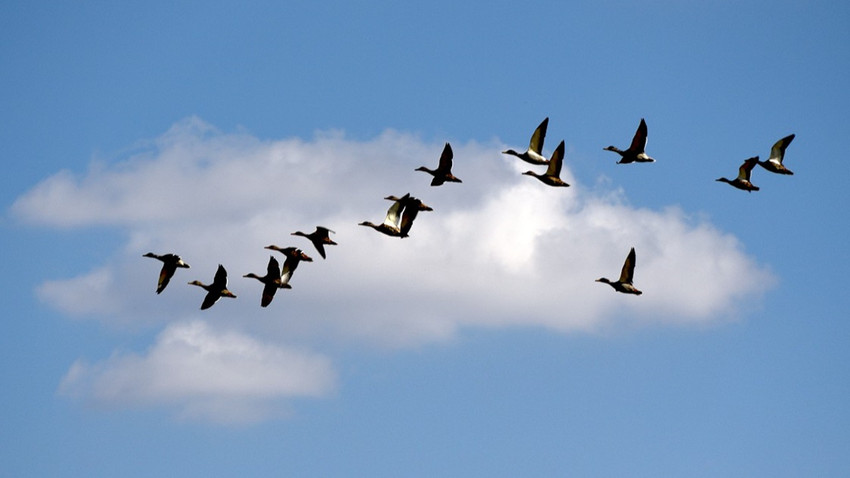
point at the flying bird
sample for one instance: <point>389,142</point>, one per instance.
<point>624,284</point>
<point>217,289</point>
<point>412,206</point>
<point>271,281</point>
<point>636,152</point>
<point>294,256</point>
<point>777,155</point>
<point>534,154</point>
<point>552,177</point>
<point>443,172</point>
<point>390,226</point>
<point>170,263</point>
<point>319,238</point>
<point>743,180</point>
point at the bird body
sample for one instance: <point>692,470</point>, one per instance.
<point>742,182</point>
<point>443,172</point>
<point>390,226</point>
<point>271,281</point>
<point>637,150</point>
<point>777,155</point>
<point>534,153</point>
<point>170,263</point>
<point>319,238</point>
<point>216,290</point>
<point>624,283</point>
<point>552,177</point>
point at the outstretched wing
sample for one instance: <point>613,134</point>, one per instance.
<point>445,165</point>
<point>777,152</point>
<point>539,136</point>
<point>744,170</point>
<point>628,272</point>
<point>556,162</point>
<point>639,140</point>
<point>165,274</point>
<point>210,299</point>
<point>394,212</point>
<point>220,280</point>
<point>323,231</point>
<point>273,269</point>
<point>289,266</point>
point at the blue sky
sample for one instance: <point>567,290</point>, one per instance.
<point>481,345</point>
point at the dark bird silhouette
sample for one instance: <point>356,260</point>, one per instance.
<point>412,206</point>
<point>390,226</point>
<point>552,177</point>
<point>624,284</point>
<point>534,153</point>
<point>271,281</point>
<point>319,238</point>
<point>777,155</point>
<point>636,152</point>
<point>217,289</point>
<point>443,172</point>
<point>170,263</point>
<point>743,180</point>
<point>294,256</point>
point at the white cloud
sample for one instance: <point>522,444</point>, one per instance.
<point>499,250</point>
<point>221,376</point>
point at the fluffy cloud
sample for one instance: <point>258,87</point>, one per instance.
<point>499,250</point>
<point>222,376</point>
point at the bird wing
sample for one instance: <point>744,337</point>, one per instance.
<point>744,170</point>
<point>289,266</point>
<point>165,274</point>
<point>273,269</point>
<point>323,231</point>
<point>268,293</point>
<point>628,272</point>
<point>639,140</point>
<point>777,152</point>
<point>536,143</point>
<point>394,212</point>
<point>556,162</point>
<point>445,165</point>
<point>220,280</point>
<point>411,210</point>
<point>210,299</point>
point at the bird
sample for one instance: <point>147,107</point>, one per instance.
<point>777,154</point>
<point>294,256</point>
<point>743,180</point>
<point>319,238</point>
<point>624,284</point>
<point>534,154</point>
<point>636,152</point>
<point>217,289</point>
<point>170,263</point>
<point>553,173</point>
<point>271,280</point>
<point>390,226</point>
<point>412,206</point>
<point>443,172</point>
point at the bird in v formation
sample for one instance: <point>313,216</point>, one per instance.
<point>399,218</point>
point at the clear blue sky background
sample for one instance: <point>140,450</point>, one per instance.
<point>758,385</point>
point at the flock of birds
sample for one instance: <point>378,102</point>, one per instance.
<point>401,214</point>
